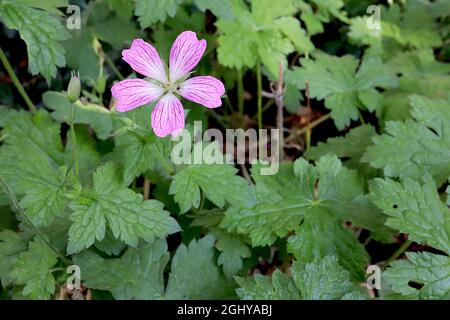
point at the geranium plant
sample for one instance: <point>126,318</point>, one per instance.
<point>94,204</point>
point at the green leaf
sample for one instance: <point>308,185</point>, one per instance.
<point>46,200</point>
<point>194,274</point>
<point>32,269</point>
<point>265,34</point>
<point>342,84</point>
<point>414,27</point>
<point>421,74</point>
<point>285,199</point>
<point>276,287</point>
<point>11,245</point>
<point>309,243</point>
<point>81,55</point>
<point>48,5</point>
<point>88,156</point>
<point>100,23</point>
<point>234,56</point>
<point>109,26</point>
<point>325,279</point>
<point>415,147</point>
<point>318,12</point>
<point>151,11</point>
<point>35,131</point>
<point>33,144</point>
<point>42,33</point>
<point>138,274</point>
<point>221,8</point>
<point>414,209</point>
<point>233,249</point>
<point>430,271</point>
<point>98,117</point>
<point>139,153</point>
<point>128,216</point>
<point>219,183</point>
<point>123,8</point>
<point>110,245</point>
<point>290,27</point>
<point>351,147</point>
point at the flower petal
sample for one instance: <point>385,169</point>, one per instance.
<point>168,116</point>
<point>204,90</point>
<point>144,58</point>
<point>133,93</point>
<point>185,54</point>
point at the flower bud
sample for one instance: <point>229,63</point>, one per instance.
<point>74,88</point>
<point>100,84</point>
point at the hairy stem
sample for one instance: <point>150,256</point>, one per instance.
<point>16,81</point>
<point>259,83</point>
<point>7,190</point>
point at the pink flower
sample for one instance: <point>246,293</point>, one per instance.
<point>168,114</point>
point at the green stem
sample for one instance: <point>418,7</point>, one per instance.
<point>202,202</point>
<point>113,67</point>
<point>211,48</point>
<point>240,92</point>
<point>267,105</point>
<point>217,117</point>
<point>16,81</point>
<point>308,138</point>
<point>74,141</point>
<point>310,127</point>
<point>3,137</point>
<point>361,118</point>
<point>397,253</point>
<point>7,190</point>
<point>259,82</point>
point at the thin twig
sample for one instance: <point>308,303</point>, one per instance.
<point>7,190</point>
<point>269,95</point>
<point>16,81</point>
